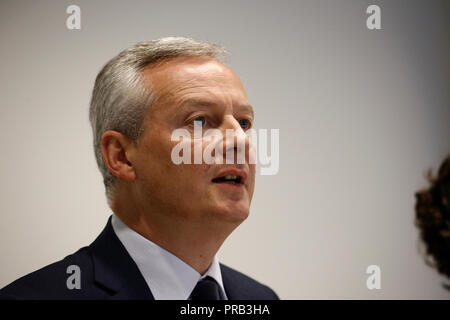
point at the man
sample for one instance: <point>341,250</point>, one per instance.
<point>170,219</point>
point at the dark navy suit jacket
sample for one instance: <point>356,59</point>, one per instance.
<point>107,271</point>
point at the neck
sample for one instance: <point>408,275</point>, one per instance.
<point>194,242</point>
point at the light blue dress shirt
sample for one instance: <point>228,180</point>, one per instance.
<point>167,276</point>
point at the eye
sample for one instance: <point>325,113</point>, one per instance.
<point>199,120</point>
<point>244,123</point>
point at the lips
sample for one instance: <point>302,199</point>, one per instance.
<point>232,176</point>
<point>229,179</point>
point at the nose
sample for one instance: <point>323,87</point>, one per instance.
<point>236,146</point>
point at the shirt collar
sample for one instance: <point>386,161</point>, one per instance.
<point>168,277</point>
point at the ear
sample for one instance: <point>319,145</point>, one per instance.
<point>115,148</point>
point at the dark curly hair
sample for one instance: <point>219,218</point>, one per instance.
<point>433,219</point>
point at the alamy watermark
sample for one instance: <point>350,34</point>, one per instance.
<point>73,21</point>
<point>74,280</point>
<point>374,279</point>
<point>211,147</point>
<point>373,21</point>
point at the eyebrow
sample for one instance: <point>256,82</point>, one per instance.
<point>210,103</point>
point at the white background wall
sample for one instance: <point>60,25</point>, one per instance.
<point>362,115</point>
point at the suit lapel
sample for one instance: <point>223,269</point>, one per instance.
<point>230,287</point>
<point>115,270</point>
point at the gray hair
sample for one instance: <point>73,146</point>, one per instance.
<point>120,99</point>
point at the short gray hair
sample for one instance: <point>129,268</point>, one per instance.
<point>120,99</point>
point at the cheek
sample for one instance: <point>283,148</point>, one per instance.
<point>153,164</point>
<point>154,157</point>
<point>180,178</point>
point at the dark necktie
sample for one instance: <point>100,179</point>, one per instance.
<point>207,289</point>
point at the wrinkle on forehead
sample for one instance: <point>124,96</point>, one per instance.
<point>206,67</point>
<point>179,75</point>
<point>189,65</point>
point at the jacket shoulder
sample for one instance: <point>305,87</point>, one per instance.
<point>239,286</point>
<point>51,282</point>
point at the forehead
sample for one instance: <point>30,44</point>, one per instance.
<point>178,78</point>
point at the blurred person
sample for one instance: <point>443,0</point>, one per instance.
<point>433,219</point>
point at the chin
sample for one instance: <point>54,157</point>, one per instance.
<point>233,212</point>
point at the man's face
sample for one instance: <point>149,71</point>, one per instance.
<point>190,90</point>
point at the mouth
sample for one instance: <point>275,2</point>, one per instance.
<point>233,177</point>
<point>228,179</point>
